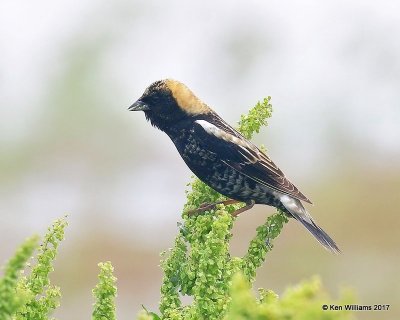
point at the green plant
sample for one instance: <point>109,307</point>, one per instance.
<point>105,293</point>
<point>32,296</point>
<point>12,296</point>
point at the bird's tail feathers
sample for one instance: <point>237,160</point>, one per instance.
<point>297,210</point>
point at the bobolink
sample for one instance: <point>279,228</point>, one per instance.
<point>220,156</point>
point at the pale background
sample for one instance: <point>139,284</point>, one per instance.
<point>69,70</point>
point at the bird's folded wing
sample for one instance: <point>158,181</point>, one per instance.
<point>242,155</point>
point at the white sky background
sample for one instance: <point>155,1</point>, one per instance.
<point>331,66</point>
<point>345,51</point>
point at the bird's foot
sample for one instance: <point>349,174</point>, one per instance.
<point>248,206</point>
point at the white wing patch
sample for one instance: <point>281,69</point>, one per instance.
<point>249,151</point>
<point>221,134</point>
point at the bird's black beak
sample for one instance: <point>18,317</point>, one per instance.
<point>139,106</point>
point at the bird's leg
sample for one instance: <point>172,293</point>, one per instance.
<point>210,206</point>
<point>248,206</point>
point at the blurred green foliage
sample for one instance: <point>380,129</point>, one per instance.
<point>12,298</point>
<point>302,302</point>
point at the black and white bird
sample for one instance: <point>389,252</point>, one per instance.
<point>220,156</point>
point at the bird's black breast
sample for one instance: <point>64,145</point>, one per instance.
<point>200,159</point>
<point>208,166</point>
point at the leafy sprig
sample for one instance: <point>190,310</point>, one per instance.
<point>105,293</point>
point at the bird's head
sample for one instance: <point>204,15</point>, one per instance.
<point>165,102</point>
